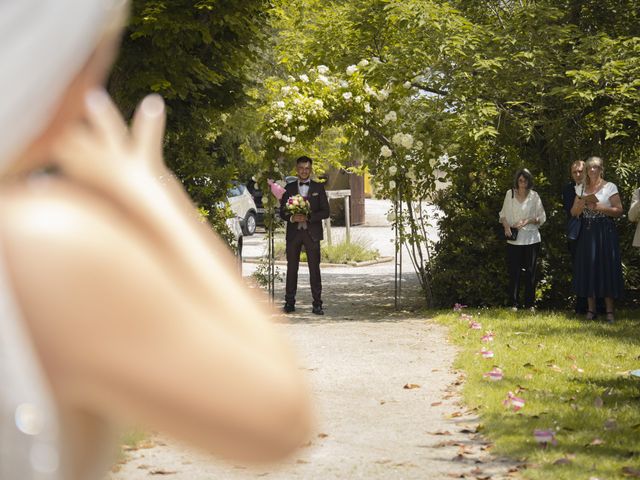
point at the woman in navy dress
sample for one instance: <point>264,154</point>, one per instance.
<point>598,269</point>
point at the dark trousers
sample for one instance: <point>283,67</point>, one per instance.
<point>312,247</point>
<point>521,262</point>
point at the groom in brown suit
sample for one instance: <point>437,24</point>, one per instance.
<point>304,230</point>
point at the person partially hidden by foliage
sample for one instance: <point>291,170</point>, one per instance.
<point>598,268</point>
<point>634,216</point>
<point>521,215</point>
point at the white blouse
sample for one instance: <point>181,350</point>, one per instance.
<point>604,194</point>
<point>530,208</point>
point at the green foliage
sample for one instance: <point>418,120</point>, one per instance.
<point>195,54</point>
<point>357,250</point>
<point>573,377</point>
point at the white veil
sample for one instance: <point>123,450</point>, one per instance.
<point>43,45</point>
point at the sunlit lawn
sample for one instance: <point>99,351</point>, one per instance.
<point>574,378</point>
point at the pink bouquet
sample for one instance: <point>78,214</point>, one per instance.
<point>297,204</point>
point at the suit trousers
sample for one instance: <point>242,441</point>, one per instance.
<point>521,261</point>
<point>294,247</point>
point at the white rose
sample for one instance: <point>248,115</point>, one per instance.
<point>304,78</point>
<point>344,84</point>
<point>407,85</point>
<point>319,103</point>
<point>363,63</point>
<point>351,69</point>
<point>392,184</point>
<point>288,117</point>
<point>281,149</point>
<point>323,79</point>
<point>347,95</point>
<point>322,69</point>
<point>367,107</point>
<point>397,138</point>
<point>366,133</point>
<point>385,151</point>
<point>295,88</point>
<point>292,139</point>
<point>407,140</point>
<point>375,59</point>
<point>411,174</point>
<point>393,170</point>
<point>277,134</point>
<point>433,162</point>
<point>383,94</point>
<point>358,99</point>
<point>286,90</point>
<point>390,117</point>
<point>302,128</point>
<point>418,145</point>
<point>285,138</point>
<point>280,104</point>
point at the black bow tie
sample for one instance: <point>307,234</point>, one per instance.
<point>303,183</point>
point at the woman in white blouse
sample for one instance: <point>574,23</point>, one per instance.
<point>522,210</point>
<point>598,268</point>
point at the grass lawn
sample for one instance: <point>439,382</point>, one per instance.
<point>573,376</point>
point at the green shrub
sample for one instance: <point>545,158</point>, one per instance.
<point>357,250</point>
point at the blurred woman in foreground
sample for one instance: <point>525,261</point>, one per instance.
<point>116,304</point>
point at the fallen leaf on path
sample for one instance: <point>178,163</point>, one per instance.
<point>435,404</point>
<point>631,472</point>
<point>441,432</point>
<point>468,430</point>
<point>162,472</point>
<point>411,386</point>
<point>322,435</point>
<point>458,458</point>
<point>455,415</point>
<point>301,461</point>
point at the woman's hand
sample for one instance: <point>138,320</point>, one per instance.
<point>104,153</point>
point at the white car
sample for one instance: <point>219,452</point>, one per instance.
<point>236,230</point>
<point>243,206</point>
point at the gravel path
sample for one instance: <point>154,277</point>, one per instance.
<point>387,398</point>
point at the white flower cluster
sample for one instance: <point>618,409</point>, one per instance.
<point>403,139</point>
<point>322,69</point>
<point>386,151</point>
<point>390,117</point>
<point>351,69</point>
<point>363,63</point>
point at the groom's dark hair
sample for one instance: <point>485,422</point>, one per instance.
<point>304,159</point>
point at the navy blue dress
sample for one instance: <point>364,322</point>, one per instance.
<point>598,268</point>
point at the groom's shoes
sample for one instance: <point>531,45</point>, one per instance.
<point>289,307</point>
<point>317,311</point>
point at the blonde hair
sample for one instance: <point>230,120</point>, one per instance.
<point>590,162</point>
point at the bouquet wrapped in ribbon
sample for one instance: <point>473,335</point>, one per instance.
<point>297,204</point>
